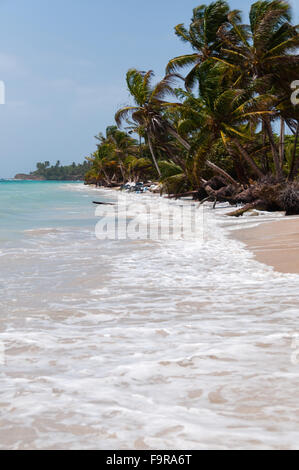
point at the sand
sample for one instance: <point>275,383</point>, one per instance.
<point>274,243</point>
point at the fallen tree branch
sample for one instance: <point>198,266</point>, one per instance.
<point>177,196</point>
<point>243,210</point>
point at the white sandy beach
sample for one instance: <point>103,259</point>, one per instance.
<point>275,244</point>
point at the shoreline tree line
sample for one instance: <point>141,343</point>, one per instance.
<point>221,124</point>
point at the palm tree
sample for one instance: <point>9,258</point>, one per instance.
<point>135,128</point>
<point>113,149</point>
<point>203,38</point>
<point>287,112</point>
<point>149,105</point>
<point>221,112</point>
<point>104,160</point>
<point>138,168</point>
<point>260,52</point>
<point>295,161</point>
<point>174,178</point>
<point>123,146</point>
<point>149,112</point>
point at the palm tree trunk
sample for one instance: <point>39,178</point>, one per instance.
<point>238,165</point>
<point>180,139</point>
<point>153,155</point>
<point>294,166</point>
<point>122,170</point>
<point>221,172</point>
<point>211,165</point>
<point>282,141</point>
<point>258,172</point>
<point>265,156</point>
<point>106,177</point>
<point>275,153</point>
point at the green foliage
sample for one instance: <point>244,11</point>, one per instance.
<point>237,88</point>
<point>118,159</point>
<point>57,172</point>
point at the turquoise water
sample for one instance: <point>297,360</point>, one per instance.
<point>28,205</point>
<point>146,344</point>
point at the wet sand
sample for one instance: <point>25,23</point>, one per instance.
<point>274,243</point>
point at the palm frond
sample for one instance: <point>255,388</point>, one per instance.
<point>169,168</point>
<point>240,30</point>
<point>182,33</point>
<point>289,45</point>
<point>270,22</point>
<point>124,113</point>
<point>261,8</point>
<point>181,62</point>
<point>164,88</point>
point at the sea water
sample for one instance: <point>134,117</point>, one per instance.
<point>139,344</point>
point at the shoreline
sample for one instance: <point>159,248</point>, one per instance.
<point>97,317</point>
<point>274,243</point>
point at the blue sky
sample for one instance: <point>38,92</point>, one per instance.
<point>64,63</point>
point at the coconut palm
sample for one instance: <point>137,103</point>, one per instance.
<point>123,146</point>
<point>202,37</point>
<point>138,168</point>
<point>262,52</point>
<point>149,112</point>
<point>100,168</point>
<point>260,49</point>
<point>222,112</point>
<point>149,104</point>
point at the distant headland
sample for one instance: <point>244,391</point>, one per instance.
<point>23,176</point>
<point>47,172</point>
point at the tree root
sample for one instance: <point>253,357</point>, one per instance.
<point>267,195</point>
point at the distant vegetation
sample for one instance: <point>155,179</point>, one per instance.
<point>60,172</point>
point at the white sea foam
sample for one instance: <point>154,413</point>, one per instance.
<point>147,344</point>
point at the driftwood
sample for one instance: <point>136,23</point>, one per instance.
<point>267,195</point>
<point>178,196</point>
<point>103,203</point>
<point>246,208</point>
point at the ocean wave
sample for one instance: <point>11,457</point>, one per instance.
<point>149,343</point>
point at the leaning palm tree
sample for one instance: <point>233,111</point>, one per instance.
<point>123,146</point>
<point>149,112</point>
<point>263,47</point>
<point>203,38</point>
<point>262,52</point>
<point>138,168</point>
<point>220,112</point>
<point>104,160</point>
<point>149,104</point>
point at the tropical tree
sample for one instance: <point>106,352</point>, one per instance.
<point>123,146</point>
<point>263,53</point>
<point>237,90</point>
<point>150,113</point>
<point>221,112</point>
<point>149,105</point>
<point>202,37</point>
